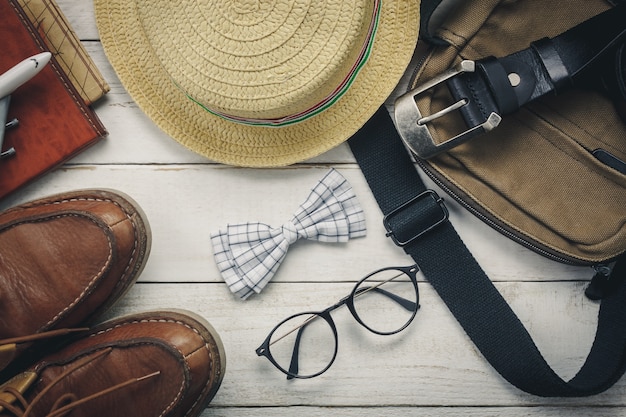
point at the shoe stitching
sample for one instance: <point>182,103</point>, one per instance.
<point>91,282</point>
<point>206,345</point>
<point>97,352</point>
<point>128,215</point>
<point>140,321</point>
<point>206,388</point>
<point>123,279</point>
<point>132,259</point>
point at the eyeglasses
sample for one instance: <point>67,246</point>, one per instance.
<point>305,345</point>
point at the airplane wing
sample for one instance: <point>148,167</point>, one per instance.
<point>4,110</point>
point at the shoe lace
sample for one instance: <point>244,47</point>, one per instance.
<point>43,335</point>
<point>9,347</point>
<point>66,402</point>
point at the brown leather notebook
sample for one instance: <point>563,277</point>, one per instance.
<point>54,121</point>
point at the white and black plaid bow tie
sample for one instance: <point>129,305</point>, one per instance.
<point>249,254</point>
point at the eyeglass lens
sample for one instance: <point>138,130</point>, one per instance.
<point>306,344</point>
<point>386,301</point>
<point>311,338</point>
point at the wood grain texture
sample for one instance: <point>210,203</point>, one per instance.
<point>430,369</point>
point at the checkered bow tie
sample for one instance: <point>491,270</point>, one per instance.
<point>249,254</point>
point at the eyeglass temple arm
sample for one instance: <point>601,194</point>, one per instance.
<point>406,304</point>
<point>294,364</point>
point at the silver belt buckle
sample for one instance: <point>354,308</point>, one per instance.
<point>412,125</point>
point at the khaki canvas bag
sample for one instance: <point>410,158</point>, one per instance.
<point>548,171</point>
<point>535,175</point>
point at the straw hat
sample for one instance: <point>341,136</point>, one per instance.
<point>259,82</point>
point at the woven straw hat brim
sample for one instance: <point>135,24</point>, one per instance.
<point>131,55</point>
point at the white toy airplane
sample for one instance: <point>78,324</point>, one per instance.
<point>9,82</point>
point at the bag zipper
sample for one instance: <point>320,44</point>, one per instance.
<point>496,224</point>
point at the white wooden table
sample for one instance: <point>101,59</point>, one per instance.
<point>430,369</point>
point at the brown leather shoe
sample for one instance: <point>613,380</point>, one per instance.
<point>64,260</point>
<point>167,364</point>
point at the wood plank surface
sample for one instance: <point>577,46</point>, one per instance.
<point>430,364</point>
<point>430,369</point>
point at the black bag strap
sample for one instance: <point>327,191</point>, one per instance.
<point>417,219</point>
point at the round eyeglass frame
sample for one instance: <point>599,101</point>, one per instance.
<point>264,349</point>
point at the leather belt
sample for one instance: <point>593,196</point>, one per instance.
<point>487,89</point>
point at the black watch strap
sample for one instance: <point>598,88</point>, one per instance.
<point>416,221</point>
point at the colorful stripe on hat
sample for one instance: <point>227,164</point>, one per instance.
<point>327,101</point>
